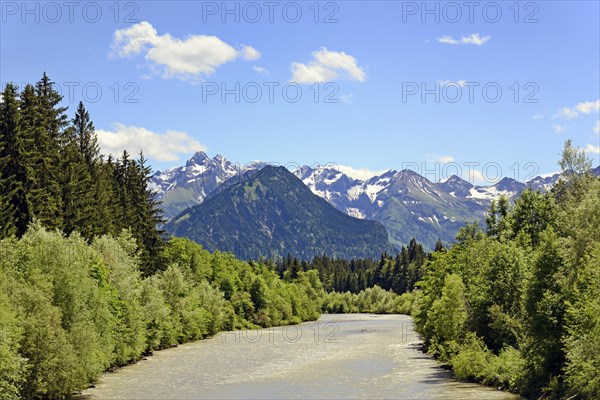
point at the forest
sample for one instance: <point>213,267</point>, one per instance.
<point>398,274</point>
<point>516,303</point>
<point>88,281</point>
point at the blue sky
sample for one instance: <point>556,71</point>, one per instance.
<point>373,58</point>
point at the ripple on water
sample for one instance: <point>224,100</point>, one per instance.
<point>342,356</point>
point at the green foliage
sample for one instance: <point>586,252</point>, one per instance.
<point>372,300</point>
<point>527,316</point>
<point>70,310</point>
<point>51,171</point>
<point>474,361</point>
<point>573,160</point>
<point>12,364</point>
<point>103,287</point>
<point>398,274</point>
<point>449,312</point>
<point>15,204</point>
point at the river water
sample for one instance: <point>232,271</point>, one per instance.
<point>345,356</point>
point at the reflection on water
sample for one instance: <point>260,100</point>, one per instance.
<point>358,356</point>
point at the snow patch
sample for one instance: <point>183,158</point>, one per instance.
<point>355,212</point>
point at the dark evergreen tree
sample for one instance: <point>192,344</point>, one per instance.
<point>15,211</point>
<point>490,219</point>
<point>149,217</point>
<point>45,122</point>
<point>84,203</point>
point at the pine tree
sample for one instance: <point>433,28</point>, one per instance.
<point>150,217</point>
<point>136,208</point>
<point>7,226</point>
<point>45,122</point>
<point>85,134</point>
<point>77,198</point>
<point>124,203</point>
<point>15,204</point>
<point>105,198</point>
<point>490,219</point>
<point>82,209</point>
<point>439,245</point>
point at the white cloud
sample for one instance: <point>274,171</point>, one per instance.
<point>538,116</point>
<point>445,159</point>
<point>437,158</point>
<point>159,146</point>
<point>477,175</point>
<point>597,127</point>
<point>473,38</point>
<point>460,83</point>
<point>250,53</point>
<point>558,128</point>
<point>327,66</point>
<point>586,107</point>
<point>188,59</point>
<point>474,176</point>
<point>567,113</point>
<point>261,70</point>
<point>590,148</point>
<point>359,173</point>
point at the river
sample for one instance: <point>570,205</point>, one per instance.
<point>345,356</point>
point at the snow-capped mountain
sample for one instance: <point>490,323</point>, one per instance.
<point>183,187</point>
<point>456,186</point>
<point>408,204</point>
<point>545,183</point>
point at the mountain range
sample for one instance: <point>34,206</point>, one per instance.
<point>406,203</point>
<point>272,214</point>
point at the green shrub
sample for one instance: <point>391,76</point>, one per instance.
<point>472,360</point>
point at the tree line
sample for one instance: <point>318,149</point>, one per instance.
<point>397,274</point>
<point>51,171</point>
<point>87,280</point>
<point>70,309</point>
<point>516,303</point>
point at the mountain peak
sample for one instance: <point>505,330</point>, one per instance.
<point>407,175</point>
<point>407,172</point>
<point>279,172</point>
<point>199,157</point>
<point>273,213</point>
<point>456,181</point>
<point>509,185</point>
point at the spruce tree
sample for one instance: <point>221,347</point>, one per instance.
<point>150,217</point>
<point>15,204</point>
<point>82,210</point>
<point>77,198</point>
<point>45,122</point>
<point>85,135</point>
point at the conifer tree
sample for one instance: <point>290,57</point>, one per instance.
<point>15,205</point>
<point>149,218</point>
<point>77,198</point>
<point>45,122</point>
<point>80,157</point>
